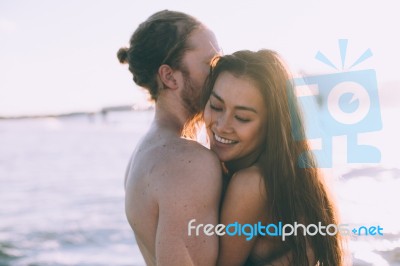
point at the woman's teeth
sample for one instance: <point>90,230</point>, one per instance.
<point>222,140</point>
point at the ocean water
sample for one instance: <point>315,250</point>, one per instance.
<point>61,190</point>
<point>62,195</point>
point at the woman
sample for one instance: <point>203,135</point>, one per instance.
<point>249,112</point>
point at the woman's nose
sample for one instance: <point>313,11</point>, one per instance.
<point>223,124</point>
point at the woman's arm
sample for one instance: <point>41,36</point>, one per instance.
<point>244,203</point>
<point>286,258</point>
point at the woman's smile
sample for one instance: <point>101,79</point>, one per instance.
<point>223,140</point>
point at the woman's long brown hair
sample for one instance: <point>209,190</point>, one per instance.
<point>295,188</point>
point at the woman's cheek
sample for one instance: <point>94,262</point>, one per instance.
<point>207,115</point>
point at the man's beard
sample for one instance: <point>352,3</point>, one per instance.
<point>190,95</point>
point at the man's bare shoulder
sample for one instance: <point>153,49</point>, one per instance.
<point>189,165</point>
<point>189,188</point>
<point>188,155</point>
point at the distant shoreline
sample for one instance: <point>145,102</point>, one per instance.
<point>103,111</point>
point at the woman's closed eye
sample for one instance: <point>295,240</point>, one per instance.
<point>215,107</point>
<point>242,119</point>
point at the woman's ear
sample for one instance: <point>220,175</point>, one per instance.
<point>166,74</point>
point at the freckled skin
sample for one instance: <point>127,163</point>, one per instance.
<point>166,182</point>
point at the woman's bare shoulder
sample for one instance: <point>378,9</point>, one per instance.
<point>245,194</point>
<point>249,180</point>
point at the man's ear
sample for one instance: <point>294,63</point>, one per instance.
<point>166,74</point>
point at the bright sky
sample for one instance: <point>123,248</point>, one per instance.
<point>60,56</point>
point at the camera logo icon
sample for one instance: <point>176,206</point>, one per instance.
<point>347,104</point>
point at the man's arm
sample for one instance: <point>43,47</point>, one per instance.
<point>128,168</point>
<point>193,193</point>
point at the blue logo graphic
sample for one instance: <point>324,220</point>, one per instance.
<point>346,104</point>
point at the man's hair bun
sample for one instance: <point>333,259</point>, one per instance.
<point>122,55</point>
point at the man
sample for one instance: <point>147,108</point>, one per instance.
<point>171,180</point>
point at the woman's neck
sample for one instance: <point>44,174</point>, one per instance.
<point>242,163</point>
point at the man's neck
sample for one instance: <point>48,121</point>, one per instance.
<point>171,118</point>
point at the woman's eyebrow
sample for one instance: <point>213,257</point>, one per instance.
<point>217,96</point>
<point>246,108</point>
<point>238,107</point>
